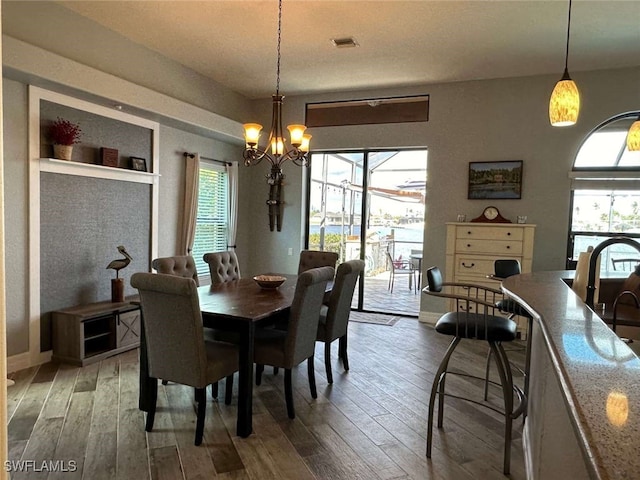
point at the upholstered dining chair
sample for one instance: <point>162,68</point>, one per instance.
<point>334,317</point>
<point>474,318</point>
<point>316,258</point>
<point>176,347</point>
<point>286,349</point>
<point>223,266</point>
<point>180,265</point>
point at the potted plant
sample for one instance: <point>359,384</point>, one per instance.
<point>64,135</point>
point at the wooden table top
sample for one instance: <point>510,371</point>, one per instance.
<point>244,300</point>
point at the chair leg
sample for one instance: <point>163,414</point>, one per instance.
<point>275,370</point>
<point>327,361</point>
<point>506,380</point>
<point>342,348</point>
<point>288,393</point>
<point>437,383</point>
<point>228,391</point>
<point>312,377</point>
<point>202,410</point>
<point>214,390</point>
<point>259,370</point>
<point>486,375</point>
<point>153,399</point>
<point>390,286</point>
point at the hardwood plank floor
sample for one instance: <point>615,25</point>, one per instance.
<point>370,424</point>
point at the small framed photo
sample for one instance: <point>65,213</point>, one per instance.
<point>139,164</point>
<point>495,180</point>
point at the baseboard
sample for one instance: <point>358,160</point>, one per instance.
<point>18,362</point>
<point>23,360</point>
<point>429,318</point>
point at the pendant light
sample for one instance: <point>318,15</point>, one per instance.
<point>633,137</point>
<point>564,105</point>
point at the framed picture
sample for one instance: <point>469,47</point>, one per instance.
<point>139,164</point>
<point>495,180</point>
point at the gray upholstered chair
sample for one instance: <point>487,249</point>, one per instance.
<point>289,348</point>
<point>185,266</point>
<point>316,258</point>
<point>180,265</point>
<point>334,317</point>
<point>223,266</point>
<point>175,343</point>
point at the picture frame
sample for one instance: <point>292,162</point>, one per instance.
<point>138,164</point>
<point>501,180</point>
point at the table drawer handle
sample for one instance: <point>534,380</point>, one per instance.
<point>468,266</point>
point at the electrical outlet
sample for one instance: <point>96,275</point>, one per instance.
<point>290,251</point>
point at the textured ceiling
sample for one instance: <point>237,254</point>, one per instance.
<point>402,43</point>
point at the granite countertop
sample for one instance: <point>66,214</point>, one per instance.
<point>599,374</point>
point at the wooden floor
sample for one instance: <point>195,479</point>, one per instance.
<point>370,424</point>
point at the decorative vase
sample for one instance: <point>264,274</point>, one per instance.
<point>62,152</point>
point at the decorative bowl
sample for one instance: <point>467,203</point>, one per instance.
<point>269,281</point>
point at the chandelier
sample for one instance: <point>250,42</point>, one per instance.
<point>564,105</point>
<point>276,150</point>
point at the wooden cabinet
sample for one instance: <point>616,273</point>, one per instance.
<point>472,249</point>
<point>89,333</point>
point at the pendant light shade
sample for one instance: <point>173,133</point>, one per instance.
<point>633,137</point>
<point>564,105</point>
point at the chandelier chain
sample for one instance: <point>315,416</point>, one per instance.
<point>566,55</point>
<point>279,35</point>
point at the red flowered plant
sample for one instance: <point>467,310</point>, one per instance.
<point>63,132</point>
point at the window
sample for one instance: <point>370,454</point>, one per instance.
<point>211,221</point>
<point>605,197</point>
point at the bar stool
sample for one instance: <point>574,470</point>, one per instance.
<point>474,319</point>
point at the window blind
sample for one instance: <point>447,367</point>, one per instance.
<point>211,220</point>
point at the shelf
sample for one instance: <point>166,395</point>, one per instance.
<point>97,335</point>
<point>68,167</point>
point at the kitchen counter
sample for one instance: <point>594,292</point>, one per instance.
<point>584,400</point>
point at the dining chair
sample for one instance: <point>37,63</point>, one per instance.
<point>400,267</point>
<point>288,348</point>
<point>316,258</point>
<point>474,319</point>
<point>334,317</point>
<point>223,266</point>
<point>185,266</point>
<point>175,343</point>
<point>180,265</point>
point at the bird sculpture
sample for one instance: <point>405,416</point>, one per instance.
<point>120,263</point>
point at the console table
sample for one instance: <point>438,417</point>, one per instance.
<point>86,334</point>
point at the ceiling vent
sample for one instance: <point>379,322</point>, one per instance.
<point>346,42</point>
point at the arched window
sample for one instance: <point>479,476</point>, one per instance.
<point>605,192</point>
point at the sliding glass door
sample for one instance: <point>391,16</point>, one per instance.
<point>370,205</point>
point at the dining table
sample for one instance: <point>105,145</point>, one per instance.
<point>238,306</point>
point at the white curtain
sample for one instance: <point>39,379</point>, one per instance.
<point>192,175</point>
<point>232,178</point>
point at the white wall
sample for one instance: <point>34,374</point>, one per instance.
<point>490,120</point>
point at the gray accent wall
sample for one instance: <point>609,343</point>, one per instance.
<point>82,222</point>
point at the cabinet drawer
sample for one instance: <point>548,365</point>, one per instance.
<point>496,247</point>
<point>490,233</point>
<point>470,265</point>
